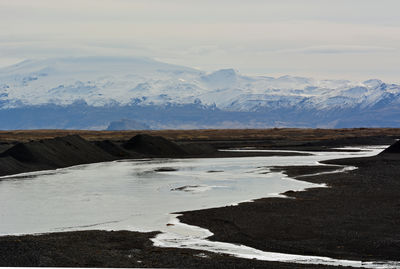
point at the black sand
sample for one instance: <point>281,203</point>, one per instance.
<point>50,154</point>
<point>358,217</point>
<point>72,150</point>
<point>114,249</point>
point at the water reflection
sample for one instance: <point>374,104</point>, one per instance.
<point>139,195</point>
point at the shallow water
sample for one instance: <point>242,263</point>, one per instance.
<point>132,195</point>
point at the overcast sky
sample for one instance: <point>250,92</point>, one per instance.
<point>350,39</point>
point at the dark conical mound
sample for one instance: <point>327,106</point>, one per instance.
<point>58,152</point>
<point>51,153</point>
<point>395,148</point>
<point>154,146</point>
<point>20,152</point>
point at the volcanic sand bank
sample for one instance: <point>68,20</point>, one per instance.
<point>59,152</point>
<point>116,249</point>
<point>357,217</point>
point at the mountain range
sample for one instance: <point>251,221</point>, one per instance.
<point>92,92</point>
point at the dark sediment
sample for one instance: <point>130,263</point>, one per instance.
<point>198,148</point>
<point>358,217</point>
<point>299,171</point>
<point>115,150</point>
<point>393,149</point>
<point>186,188</point>
<point>350,141</point>
<point>50,154</point>
<point>114,249</point>
<point>306,143</point>
<point>72,150</point>
<point>4,146</point>
<point>165,169</point>
<point>153,146</point>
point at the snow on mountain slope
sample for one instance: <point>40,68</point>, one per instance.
<point>121,81</point>
<point>97,80</point>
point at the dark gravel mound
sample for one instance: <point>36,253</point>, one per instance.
<point>395,148</point>
<point>154,146</point>
<point>114,149</point>
<point>4,146</point>
<point>60,151</point>
<point>21,152</point>
<point>9,166</point>
<point>49,154</point>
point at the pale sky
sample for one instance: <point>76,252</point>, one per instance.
<point>343,39</point>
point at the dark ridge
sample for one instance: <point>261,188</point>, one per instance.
<point>58,152</point>
<point>9,166</point>
<point>4,146</point>
<point>154,146</point>
<point>115,150</point>
<point>50,154</point>
<point>393,149</point>
<point>20,152</point>
<point>74,150</point>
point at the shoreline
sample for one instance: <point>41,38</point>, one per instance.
<point>355,218</point>
<point>247,223</point>
<point>218,154</point>
<point>117,249</point>
<point>73,150</point>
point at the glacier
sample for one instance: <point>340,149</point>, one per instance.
<point>91,92</point>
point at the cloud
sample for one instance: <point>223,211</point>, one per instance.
<point>342,49</point>
<point>256,36</point>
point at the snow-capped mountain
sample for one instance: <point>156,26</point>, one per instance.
<point>171,96</point>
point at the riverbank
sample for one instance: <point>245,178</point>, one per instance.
<point>116,249</point>
<point>357,217</point>
<point>71,150</point>
<point>34,150</point>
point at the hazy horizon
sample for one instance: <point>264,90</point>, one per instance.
<point>355,40</point>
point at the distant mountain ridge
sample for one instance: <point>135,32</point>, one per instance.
<point>126,124</point>
<point>91,92</point>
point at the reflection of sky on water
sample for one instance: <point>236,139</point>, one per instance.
<point>131,195</point>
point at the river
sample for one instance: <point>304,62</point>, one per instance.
<point>141,195</point>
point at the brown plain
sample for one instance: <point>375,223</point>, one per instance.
<point>292,134</point>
